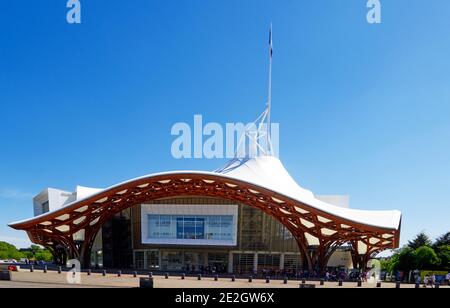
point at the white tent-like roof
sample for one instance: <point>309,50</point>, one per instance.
<point>268,172</point>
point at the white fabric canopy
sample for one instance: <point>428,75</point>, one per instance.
<point>269,172</point>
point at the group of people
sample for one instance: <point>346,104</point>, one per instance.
<point>210,269</point>
<point>33,262</point>
<point>337,275</point>
<point>277,273</point>
<point>430,280</point>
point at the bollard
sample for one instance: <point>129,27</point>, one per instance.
<point>45,269</point>
<point>322,282</point>
<point>199,277</point>
<point>59,270</point>
<point>397,284</point>
<point>31,268</point>
<point>146,283</point>
<point>233,278</point>
<point>250,279</point>
<point>340,283</point>
<point>359,283</point>
<point>89,272</point>
<point>119,274</point>
<point>5,275</point>
<point>216,278</point>
<point>104,273</point>
<point>267,279</point>
<point>285,281</point>
<point>167,276</point>
<point>303,281</point>
<point>183,276</point>
<point>378,284</point>
<point>134,274</point>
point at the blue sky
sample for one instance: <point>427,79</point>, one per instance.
<point>363,109</point>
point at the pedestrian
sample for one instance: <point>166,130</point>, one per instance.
<point>433,280</point>
<point>364,276</point>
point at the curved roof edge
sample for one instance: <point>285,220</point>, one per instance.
<point>265,173</point>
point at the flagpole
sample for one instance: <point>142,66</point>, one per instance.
<point>269,99</point>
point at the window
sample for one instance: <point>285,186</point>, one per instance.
<point>292,262</point>
<point>152,259</point>
<point>45,207</point>
<point>243,263</point>
<point>139,259</point>
<point>183,227</point>
<point>268,261</point>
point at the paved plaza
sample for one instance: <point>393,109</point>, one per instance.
<point>38,279</point>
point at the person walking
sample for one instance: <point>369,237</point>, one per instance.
<point>425,280</point>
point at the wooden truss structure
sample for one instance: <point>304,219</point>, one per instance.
<point>317,233</point>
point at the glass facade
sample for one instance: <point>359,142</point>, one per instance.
<point>190,227</point>
<point>292,262</point>
<point>152,260</point>
<point>261,232</point>
<point>117,241</point>
<point>172,260</point>
<point>243,263</point>
<point>139,259</point>
<point>269,262</point>
<point>261,243</point>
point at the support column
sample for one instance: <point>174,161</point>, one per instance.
<point>255,263</point>
<point>282,262</point>
<point>230,262</point>
<point>160,258</point>
<point>144,253</point>
<point>205,259</point>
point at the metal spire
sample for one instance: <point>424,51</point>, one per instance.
<point>269,98</point>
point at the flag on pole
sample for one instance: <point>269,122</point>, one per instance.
<point>270,42</point>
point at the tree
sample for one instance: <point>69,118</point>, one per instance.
<point>443,254</point>
<point>443,240</point>
<point>391,263</point>
<point>44,255</point>
<point>426,258</point>
<point>420,240</point>
<point>37,253</point>
<point>406,260</point>
<point>8,251</point>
